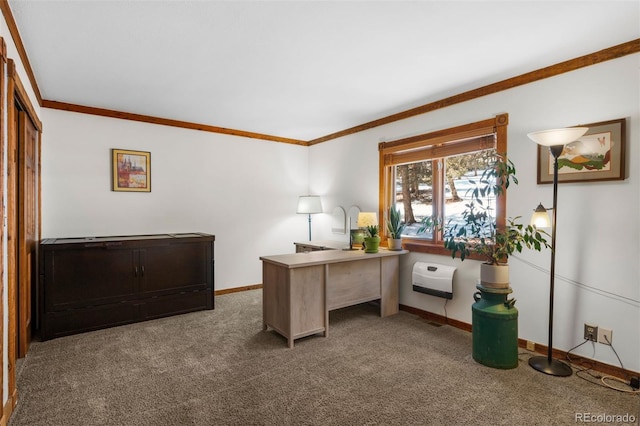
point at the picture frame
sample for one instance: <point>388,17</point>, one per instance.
<point>130,170</point>
<point>599,155</point>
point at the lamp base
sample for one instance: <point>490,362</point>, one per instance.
<point>552,367</point>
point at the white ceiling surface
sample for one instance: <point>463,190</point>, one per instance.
<point>299,69</point>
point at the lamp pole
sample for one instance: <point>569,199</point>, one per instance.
<point>309,204</point>
<point>547,364</point>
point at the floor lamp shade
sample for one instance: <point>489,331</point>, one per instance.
<point>309,204</point>
<point>555,139</point>
<point>557,136</point>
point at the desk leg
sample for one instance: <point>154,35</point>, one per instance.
<point>325,285</point>
<point>389,271</point>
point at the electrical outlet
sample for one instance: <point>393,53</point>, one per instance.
<point>605,336</point>
<point>590,332</point>
<point>531,346</point>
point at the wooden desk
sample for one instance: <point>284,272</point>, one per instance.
<point>299,290</point>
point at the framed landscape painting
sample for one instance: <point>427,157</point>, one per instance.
<point>131,170</point>
<point>598,155</point>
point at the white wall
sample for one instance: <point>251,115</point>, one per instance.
<point>241,190</point>
<point>598,277</point>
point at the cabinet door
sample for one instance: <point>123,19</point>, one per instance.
<point>175,267</point>
<point>82,277</point>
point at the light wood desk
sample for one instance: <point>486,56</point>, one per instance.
<point>299,290</point>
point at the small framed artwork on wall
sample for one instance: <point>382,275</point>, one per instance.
<point>130,170</point>
<point>598,155</point>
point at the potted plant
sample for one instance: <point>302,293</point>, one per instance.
<point>372,241</point>
<point>395,227</point>
<point>477,233</point>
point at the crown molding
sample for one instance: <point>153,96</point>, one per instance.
<point>610,53</point>
<point>165,121</point>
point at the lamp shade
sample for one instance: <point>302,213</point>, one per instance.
<point>557,136</point>
<point>540,217</point>
<point>367,219</point>
<point>309,204</point>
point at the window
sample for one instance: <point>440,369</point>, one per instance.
<point>427,176</point>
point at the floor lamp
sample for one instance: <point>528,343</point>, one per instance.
<point>555,139</point>
<point>309,204</point>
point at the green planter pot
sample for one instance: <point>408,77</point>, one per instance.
<point>371,244</point>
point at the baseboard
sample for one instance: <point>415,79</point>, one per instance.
<point>430,316</point>
<point>576,360</point>
<point>237,289</point>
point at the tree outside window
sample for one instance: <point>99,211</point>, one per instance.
<point>429,176</point>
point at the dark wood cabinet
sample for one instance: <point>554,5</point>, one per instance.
<point>97,282</point>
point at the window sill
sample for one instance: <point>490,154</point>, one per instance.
<point>431,248</point>
<point>424,247</point>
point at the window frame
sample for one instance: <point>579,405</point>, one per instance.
<point>436,146</point>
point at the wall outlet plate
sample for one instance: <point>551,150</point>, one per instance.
<point>590,332</point>
<point>531,346</point>
<point>605,336</point>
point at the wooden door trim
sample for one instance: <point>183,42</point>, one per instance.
<point>22,95</point>
<point>15,93</point>
<point>4,413</point>
<point>11,234</point>
<point>28,237</point>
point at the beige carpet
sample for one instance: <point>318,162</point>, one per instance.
<point>219,368</point>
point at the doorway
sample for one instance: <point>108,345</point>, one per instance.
<point>23,220</point>
<point>26,225</point>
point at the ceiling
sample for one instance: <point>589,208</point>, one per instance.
<point>299,69</point>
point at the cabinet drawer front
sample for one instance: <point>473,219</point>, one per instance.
<point>88,276</point>
<point>74,321</point>
<point>189,301</point>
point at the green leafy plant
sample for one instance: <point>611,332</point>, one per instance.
<point>477,233</point>
<point>394,223</point>
<point>372,230</point>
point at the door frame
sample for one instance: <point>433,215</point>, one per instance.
<point>16,93</point>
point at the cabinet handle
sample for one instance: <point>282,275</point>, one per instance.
<point>136,271</point>
<point>142,270</point>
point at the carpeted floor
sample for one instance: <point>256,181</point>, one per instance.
<point>219,368</point>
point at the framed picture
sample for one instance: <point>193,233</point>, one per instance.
<point>598,155</point>
<point>130,170</point>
